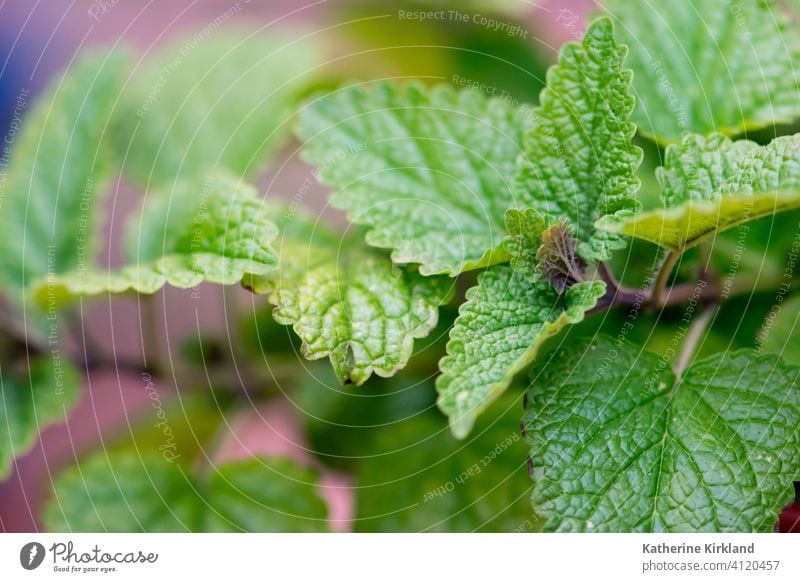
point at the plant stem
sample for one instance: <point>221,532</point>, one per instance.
<point>660,285</point>
<point>696,331</point>
<point>607,276</point>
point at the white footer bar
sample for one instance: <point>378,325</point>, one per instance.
<point>400,557</point>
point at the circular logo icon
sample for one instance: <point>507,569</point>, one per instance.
<point>31,555</point>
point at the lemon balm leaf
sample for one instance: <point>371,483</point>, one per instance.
<point>499,332</point>
<point>428,170</point>
<point>60,161</point>
<point>220,103</point>
<point>347,301</point>
<point>215,230</point>
<point>31,399</point>
<point>711,184</point>
<point>578,162</point>
<point>708,66</point>
<point>627,446</point>
<point>127,491</point>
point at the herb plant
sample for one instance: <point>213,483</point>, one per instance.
<point>644,408</point>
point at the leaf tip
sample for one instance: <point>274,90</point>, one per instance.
<point>461,424</point>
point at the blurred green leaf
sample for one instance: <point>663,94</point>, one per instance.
<point>780,332</point>
<point>264,495</point>
<point>486,45</point>
<point>222,102</point>
<point>261,336</point>
<point>709,65</point>
<point>178,425</point>
<point>216,231</point>
<point>339,419</point>
<point>60,161</point>
<point>42,394</point>
<point>142,492</point>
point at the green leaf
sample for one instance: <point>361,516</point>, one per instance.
<point>59,163</point>
<point>499,331</point>
<point>618,444</point>
<point>130,492</point>
<point>427,170</point>
<point>707,66</point>
<point>264,495</point>
<point>123,493</point>
<point>416,477</point>
<point>220,103</point>
<point>711,184</point>
<point>780,333</point>
<point>578,161</point>
<point>42,394</point>
<point>347,301</point>
<point>216,231</point>
<point>701,167</point>
<point>689,224</point>
<point>524,239</point>
<point>303,243</point>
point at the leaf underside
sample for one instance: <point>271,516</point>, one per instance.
<point>711,184</point>
<point>693,222</point>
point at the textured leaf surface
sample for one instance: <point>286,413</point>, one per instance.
<point>524,239</point>
<point>59,160</point>
<point>428,170</point>
<point>415,477</point>
<point>712,183</point>
<point>349,302</point>
<point>579,163</point>
<point>220,103</point>
<point>709,65</point>
<point>126,492</point>
<point>44,394</point>
<point>216,231</point>
<point>701,167</point>
<point>498,332</point>
<point>624,447</point>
